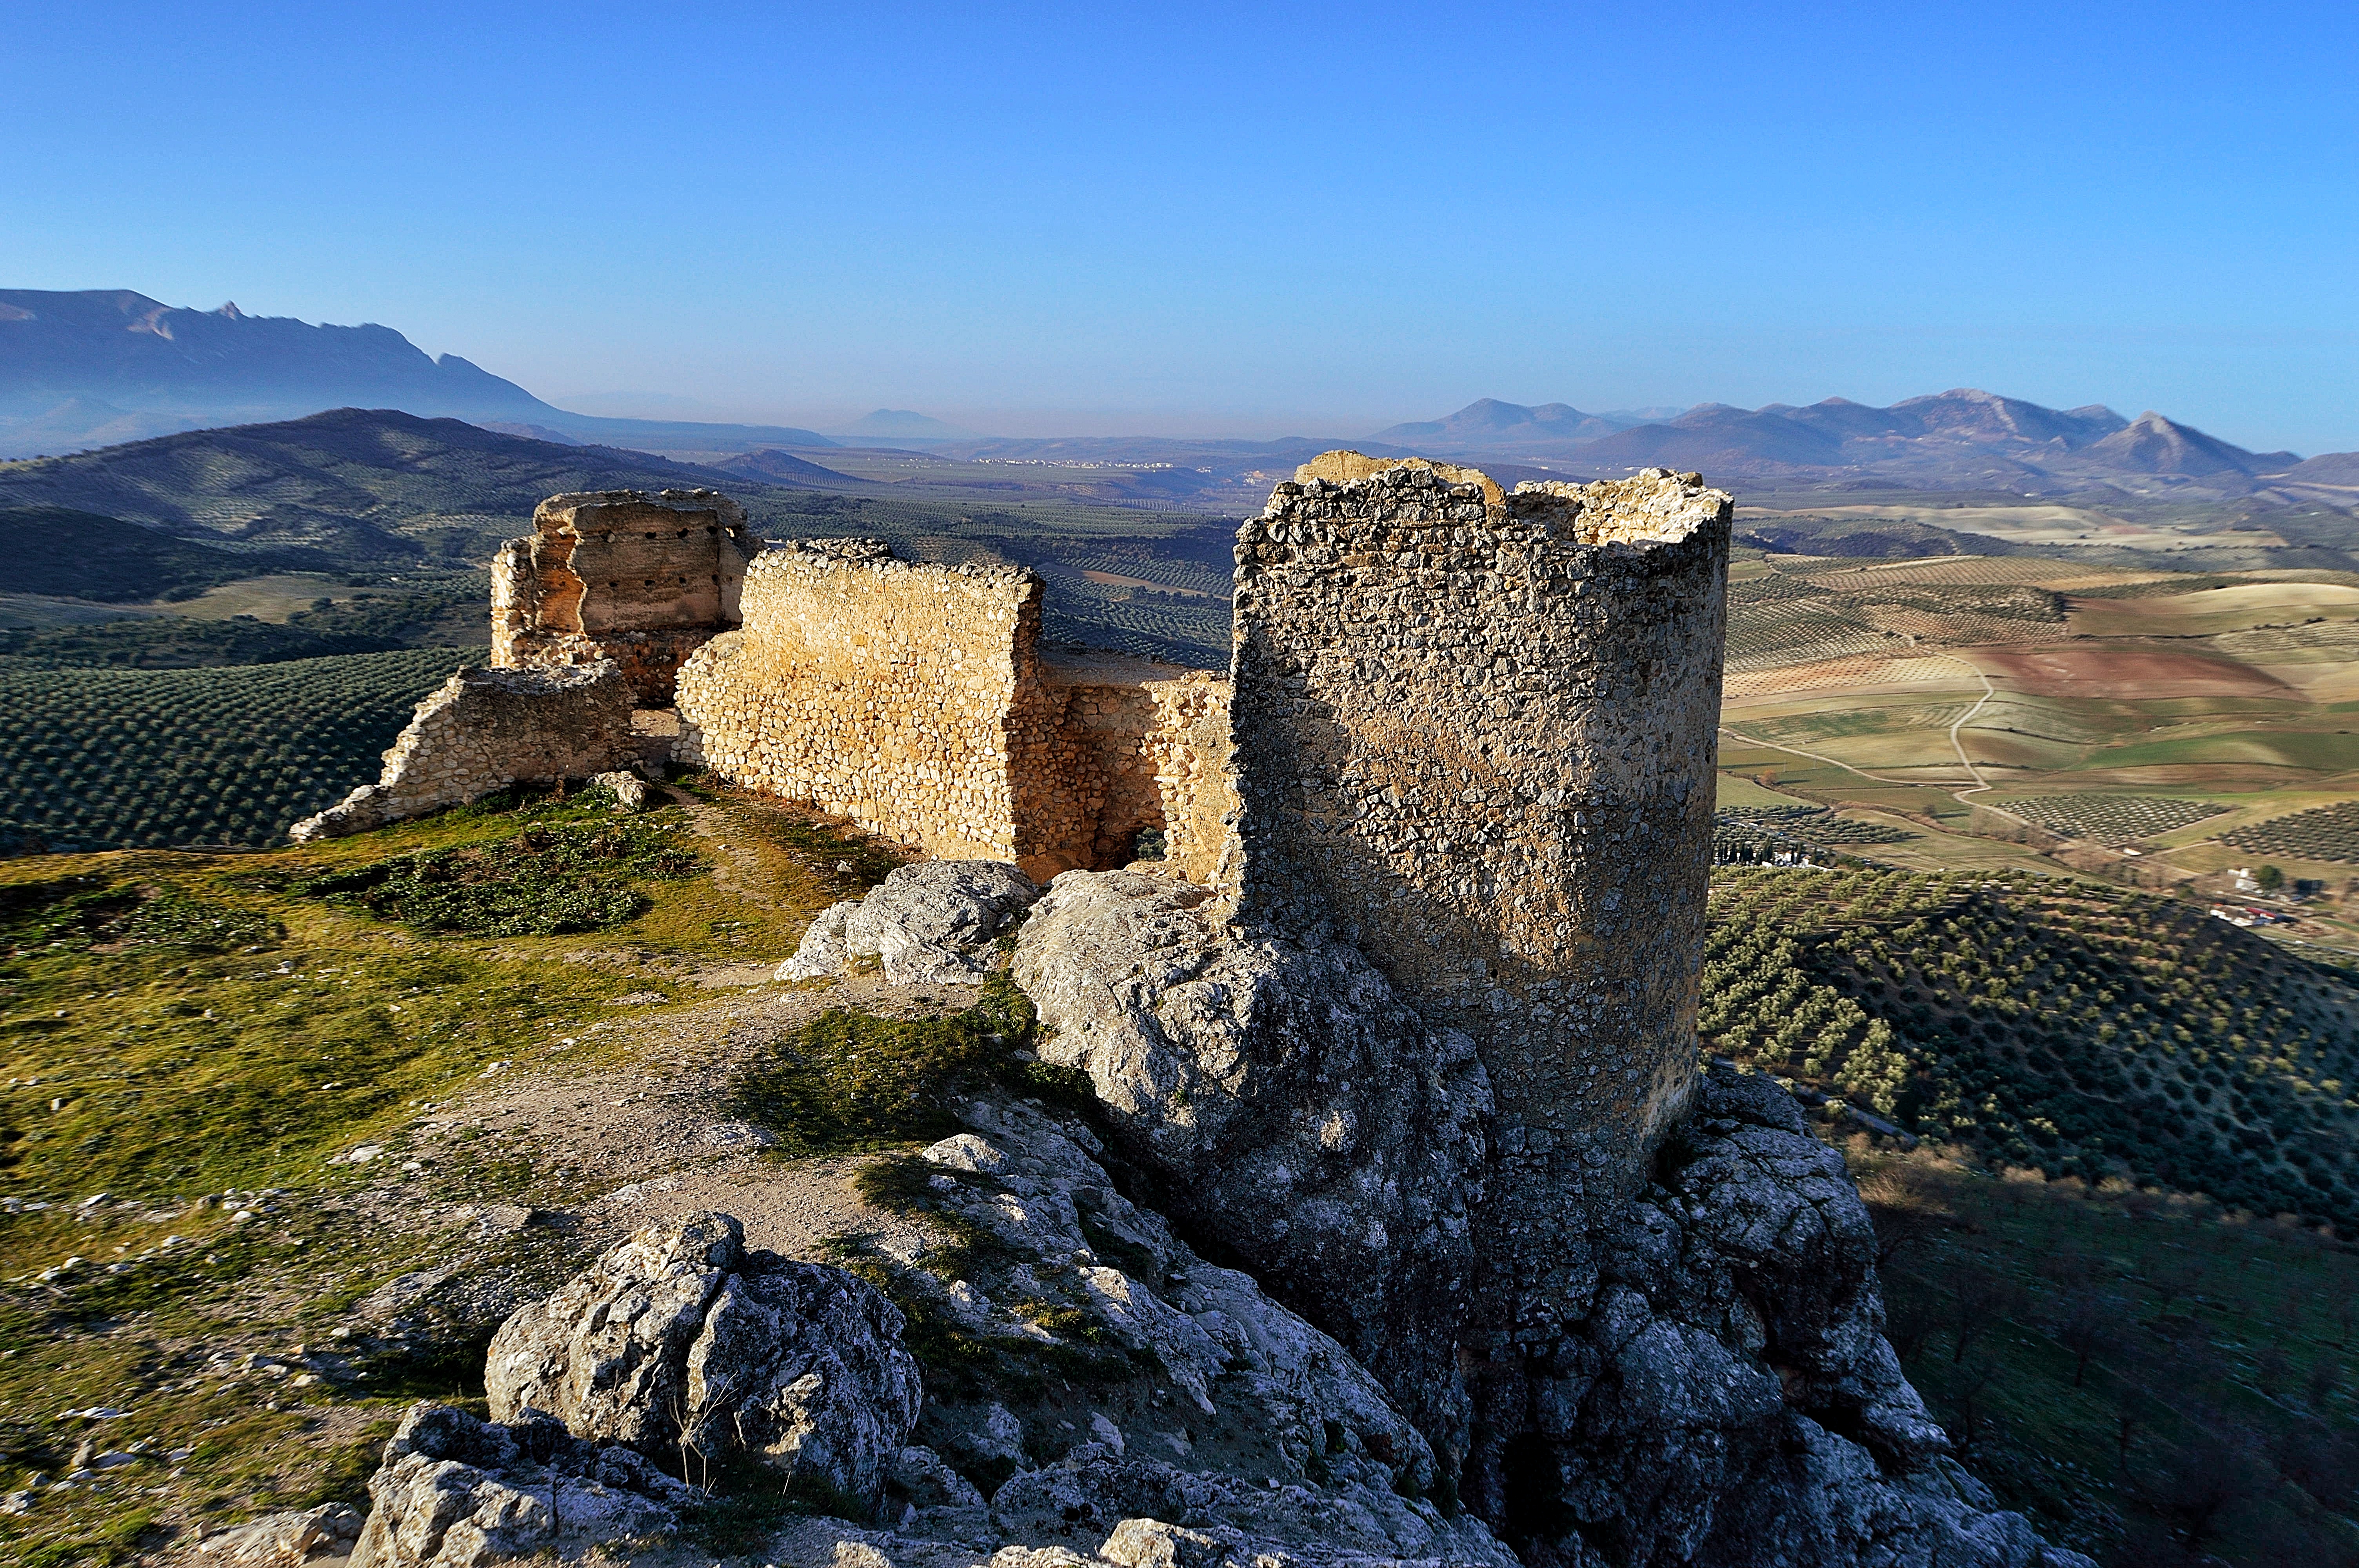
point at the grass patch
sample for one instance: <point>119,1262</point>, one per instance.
<point>843,855</point>
<point>850,1080</point>
<point>542,882</point>
<point>82,913</point>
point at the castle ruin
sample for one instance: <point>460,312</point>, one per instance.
<point>1475,734</point>
<point>642,580</point>
<point>1447,822</point>
<point>916,700</point>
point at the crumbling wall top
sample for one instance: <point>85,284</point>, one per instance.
<point>597,511</point>
<point>800,557</point>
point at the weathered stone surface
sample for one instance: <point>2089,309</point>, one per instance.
<point>1210,1353</point>
<point>1715,1376</point>
<point>484,729</point>
<point>685,1346</point>
<point>285,1539</point>
<point>1720,1392</point>
<point>914,700</point>
<point>619,575</point>
<point>628,790</point>
<point>1291,1104</point>
<point>1474,737</point>
<point>930,924</point>
<point>456,1492</point>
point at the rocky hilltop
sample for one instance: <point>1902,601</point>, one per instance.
<point>1346,1189</point>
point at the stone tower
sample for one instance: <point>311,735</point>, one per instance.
<point>642,579</point>
<point>1474,736</point>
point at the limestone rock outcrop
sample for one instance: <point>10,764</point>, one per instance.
<point>1714,1388</point>
<point>930,924</point>
<point>484,729</point>
<point>457,1492</point>
<point>1209,1406</point>
<point>1722,1394</point>
<point>1288,1102</point>
<point>688,1347</point>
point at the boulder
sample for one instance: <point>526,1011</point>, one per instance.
<point>456,1492</point>
<point>626,789</point>
<point>689,1348</point>
<point>930,923</point>
<point>285,1539</point>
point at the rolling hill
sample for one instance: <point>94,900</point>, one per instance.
<point>353,485</point>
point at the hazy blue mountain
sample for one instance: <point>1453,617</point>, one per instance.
<point>355,485</point>
<point>94,367</point>
<point>134,352</point>
<point>901,424</point>
<point>1488,421</point>
<point>2152,444</point>
<point>1715,436</point>
<point>680,434</point>
<point>1965,414</point>
<point>1963,438</point>
<point>772,467</point>
<point>2340,468</point>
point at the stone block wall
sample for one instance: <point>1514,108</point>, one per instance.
<point>1475,737</point>
<point>641,580</point>
<point>1136,742</point>
<point>876,688</point>
<point>1188,747</point>
<point>915,700</point>
<point>484,729</point>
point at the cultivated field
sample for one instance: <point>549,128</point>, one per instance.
<point>2125,723</point>
<point>122,758</point>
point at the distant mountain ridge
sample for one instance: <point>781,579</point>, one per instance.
<point>1965,437</point>
<point>93,367</point>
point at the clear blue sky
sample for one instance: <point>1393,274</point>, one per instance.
<point>1248,219</point>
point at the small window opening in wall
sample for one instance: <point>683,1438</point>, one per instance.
<point>651,532</point>
<point>615,584</point>
<point>650,582</point>
<point>683,533</point>
<point>1150,845</point>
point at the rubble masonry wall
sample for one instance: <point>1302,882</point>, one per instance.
<point>641,580</point>
<point>484,729</point>
<point>914,700</point>
<point>872,689</point>
<point>1476,736</point>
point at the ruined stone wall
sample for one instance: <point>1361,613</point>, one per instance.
<point>484,729</point>
<point>1474,736</point>
<point>874,688</point>
<point>1139,745</point>
<point>641,580</point>
<point>914,700</point>
<point>1187,748</point>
